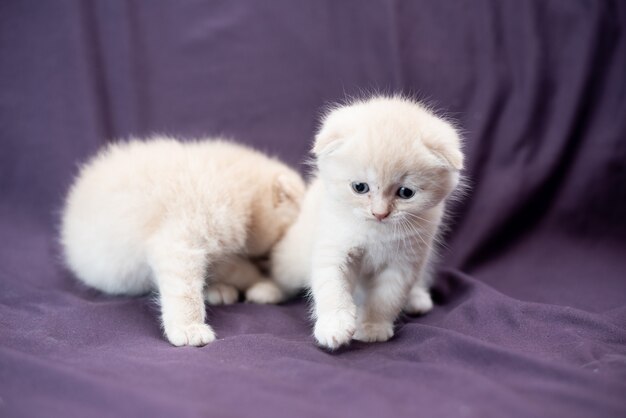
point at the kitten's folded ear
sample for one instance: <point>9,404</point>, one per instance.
<point>327,139</point>
<point>447,146</point>
<point>287,189</point>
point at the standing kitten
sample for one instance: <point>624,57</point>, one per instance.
<point>160,214</point>
<point>365,234</point>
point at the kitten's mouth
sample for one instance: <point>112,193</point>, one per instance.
<point>385,221</point>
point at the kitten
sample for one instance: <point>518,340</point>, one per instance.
<point>364,238</point>
<point>162,214</point>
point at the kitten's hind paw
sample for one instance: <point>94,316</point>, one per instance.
<point>374,332</point>
<point>221,294</point>
<point>264,292</point>
<point>334,330</point>
<point>419,301</point>
<point>194,334</point>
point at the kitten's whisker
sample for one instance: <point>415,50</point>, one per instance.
<point>396,234</point>
<point>403,236</point>
<point>394,231</point>
<point>414,215</point>
<point>421,238</point>
<point>438,240</point>
<point>420,218</point>
<point>407,228</point>
<point>417,233</point>
<point>435,237</point>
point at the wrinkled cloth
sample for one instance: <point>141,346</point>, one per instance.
<point>530,315</point>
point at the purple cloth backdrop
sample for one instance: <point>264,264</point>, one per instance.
<point>531,294</point>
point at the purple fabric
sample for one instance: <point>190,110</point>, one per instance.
<point>531,296</point>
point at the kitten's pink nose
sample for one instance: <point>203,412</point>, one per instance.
<point>380,216</point>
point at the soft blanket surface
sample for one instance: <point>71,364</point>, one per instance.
<point>531,293</point>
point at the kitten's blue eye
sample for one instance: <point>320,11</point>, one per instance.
<point>360,188</point>
<point>405,193</point>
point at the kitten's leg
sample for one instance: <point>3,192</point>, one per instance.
<point>258,288</point>
<point>335,310</point>
<point>242,274</point>
<point>220,294</point>
<point>419,301</point>
<point>179,264</point>
<point>221,290</point>
<point>385,297</point>
<point>291,259</point>
<point>265,292</point>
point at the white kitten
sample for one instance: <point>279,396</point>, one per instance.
<point>363,241</point>
<point>162,214</point>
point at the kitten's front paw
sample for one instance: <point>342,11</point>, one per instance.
<point>264,292</point>
<point>221,294</point>
<point>372,332</point>
<point>419,301</point>
<point>335,330</point>
<point>195,334</point>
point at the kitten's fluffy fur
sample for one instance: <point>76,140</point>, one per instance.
<point>162,214</point>
<point>361,270</point>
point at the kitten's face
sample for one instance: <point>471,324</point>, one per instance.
<point>381,186</point>
<point>387,163</point>
<point>277,206</point>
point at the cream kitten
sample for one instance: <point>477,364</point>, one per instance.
<point>363,241</point>
<point>162,214</point>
